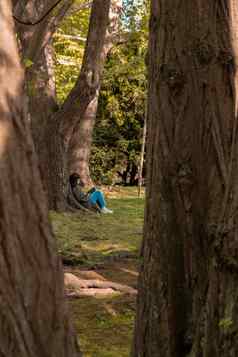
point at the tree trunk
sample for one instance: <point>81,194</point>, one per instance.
<point>81,142</point>
<point>48,144</point>
<point>68,133</point>
<point>33,314</point>
<point>56,134</point>
<point>142,153</point>
<point>81,98</point>
<point>35,38</point>
<point>187,304</point>
<point>37,50</point>
<point>42,104</point>
<point>96,52</point>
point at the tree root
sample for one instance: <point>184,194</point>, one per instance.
<point>81,287</point>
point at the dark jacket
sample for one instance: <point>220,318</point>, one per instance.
<point>78,199</point>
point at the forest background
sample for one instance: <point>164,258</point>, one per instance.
<point>118,131</point>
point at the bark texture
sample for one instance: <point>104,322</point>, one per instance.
<point>187,304</point>
<point>37,52</point>
<point>142,153</point>
<point>79,111</point>
<point>95,55</point>
<point>63,136</point>
<point>63,139</point>
<point>33,314</point>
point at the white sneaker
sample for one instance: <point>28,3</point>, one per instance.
<point>106,210</point>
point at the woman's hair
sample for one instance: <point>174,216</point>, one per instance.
<point>73,179</point>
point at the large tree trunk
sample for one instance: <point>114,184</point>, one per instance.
<point>188,284</point>
<point>33,314</point>
<point>68,133</point>
<point>37,52</point>
<point>40,84</point>
<point>142,153</point>
<point>81,103</point>
<point>86,88</point>
<point>96,52</point>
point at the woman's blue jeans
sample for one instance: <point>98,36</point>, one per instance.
<point>97,197</point>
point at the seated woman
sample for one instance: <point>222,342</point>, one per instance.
<point>93,198</point>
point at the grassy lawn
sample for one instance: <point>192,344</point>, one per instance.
<point>101,236</point>
<point>109,245</point>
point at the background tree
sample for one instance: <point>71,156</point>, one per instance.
<point>117,134</point>
<point>37,56</point>
<point>80,142</point>
<point>33,314</point>
<point>51,147</point>
<point>118,130</point>
<point>79,99</point>
<point>187,303</point>
<point>51,135</point>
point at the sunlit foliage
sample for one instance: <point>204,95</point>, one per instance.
<point>120,118</point>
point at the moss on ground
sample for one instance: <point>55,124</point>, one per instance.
<point>104,325</point>
<point>104,330</point>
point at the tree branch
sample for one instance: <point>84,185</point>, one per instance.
<point>43,34</point>
<point>30,23</point>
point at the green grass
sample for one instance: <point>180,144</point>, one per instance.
<point>104,325</point>
<point>98,236</point>
<point>104,331</point>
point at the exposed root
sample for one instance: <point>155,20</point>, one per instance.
<point>82,287</point>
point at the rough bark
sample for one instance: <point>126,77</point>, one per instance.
<point>78,124</point>
<point>187,304</point>
<point>69,132</point>
<point>35,38</point>
<point>48,144</point>
<point>82,102</point>
<point>142,153</point>
<point>36,47</point>
<point>33,314</point>
<point>80,143</point>
<point>42,104</point>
